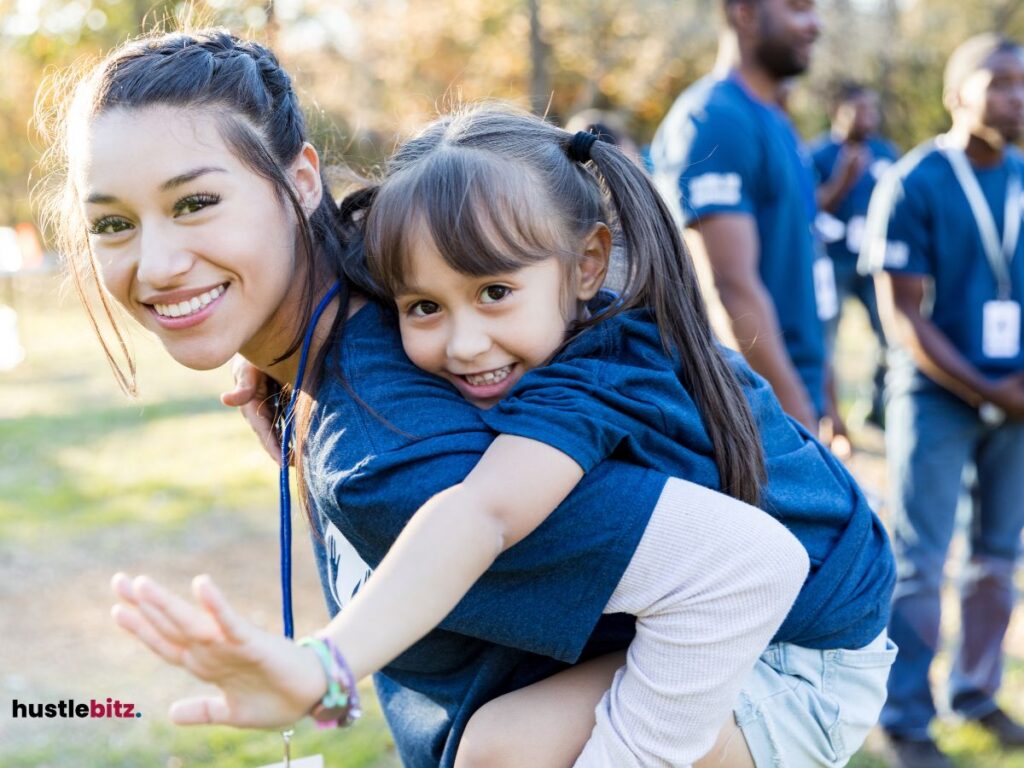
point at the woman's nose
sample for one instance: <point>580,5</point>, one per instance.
<point>163,259</point>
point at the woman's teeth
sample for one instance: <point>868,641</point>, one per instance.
<point>185,308</point>
<point>491,377</point>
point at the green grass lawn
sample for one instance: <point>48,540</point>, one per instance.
<point>91,481</point>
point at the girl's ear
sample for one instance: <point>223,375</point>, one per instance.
<point>593,263</point>
<point>305,177</point>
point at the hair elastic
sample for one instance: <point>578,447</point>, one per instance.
<point>579,146</point>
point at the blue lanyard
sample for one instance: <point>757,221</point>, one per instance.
<point>286,496</point>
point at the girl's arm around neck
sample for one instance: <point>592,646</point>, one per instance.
<point>448,544</point>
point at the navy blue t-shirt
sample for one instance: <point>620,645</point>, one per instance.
<point>843,244</point>
<point>614,393</point>
<point>920,223</point>
<point>738,155</point>
<point>538,605</point>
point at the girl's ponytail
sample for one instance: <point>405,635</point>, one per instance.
<point>660,275</point>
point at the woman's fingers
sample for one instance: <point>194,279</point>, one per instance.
<point>232,626</point>
<point>259,416</point>
<point>251,396</point>
<point>201,710</point>
<point>247,378</point>
<point>130,620</point>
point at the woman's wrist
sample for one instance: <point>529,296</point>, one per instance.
<point>339,705</point>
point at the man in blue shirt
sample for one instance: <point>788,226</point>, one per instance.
<point>729,162</point>
<point>848,161</point>
<point>944,225</point>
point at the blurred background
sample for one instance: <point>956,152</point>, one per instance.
<point>92,482</point>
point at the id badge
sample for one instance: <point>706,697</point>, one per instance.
<point>825,289</point>
<point>315,761</point>
<point>855,234</point>
<point>1001,329</point>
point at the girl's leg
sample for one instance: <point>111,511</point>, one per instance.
<point>545,725</point>
<point>730,750</point>
<point>710,583</point>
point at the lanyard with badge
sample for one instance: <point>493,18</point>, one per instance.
<point>1000,317</point>
<point>314,761</point>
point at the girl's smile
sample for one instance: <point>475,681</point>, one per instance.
<point>488,385</point>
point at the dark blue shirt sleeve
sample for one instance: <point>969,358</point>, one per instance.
<point>722,165</point>
<point>898,234</point>
<point>564,405</point>
<point>612,393</point>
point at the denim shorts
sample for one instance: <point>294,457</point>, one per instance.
<point>804,707</point>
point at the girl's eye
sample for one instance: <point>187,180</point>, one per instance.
<point>495,293</point>
<point>109,225</point>
<point>194,203</point>
<point>424,308</point>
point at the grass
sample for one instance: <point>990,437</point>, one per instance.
<point>160,744</point>
<point>90,480</point>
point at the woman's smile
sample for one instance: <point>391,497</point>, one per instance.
<point>189,312</point>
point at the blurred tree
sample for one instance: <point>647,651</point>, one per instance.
<point>372,70</point>
<point>900,47</point>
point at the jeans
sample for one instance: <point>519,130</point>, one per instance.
<point>804,707</point>
<point>850,283</point>
<point>931,437</point>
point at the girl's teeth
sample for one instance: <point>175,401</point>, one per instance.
<point>491,377</point>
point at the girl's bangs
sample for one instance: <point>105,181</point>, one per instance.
<point>481,214</point>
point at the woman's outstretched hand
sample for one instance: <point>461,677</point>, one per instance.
<point>251,395</point>
<point>265,680</point>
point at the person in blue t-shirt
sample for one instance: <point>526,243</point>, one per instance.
<point>490,272</point>
<point>848,161</point>
<point>732,167</point>
<point>944,225</point>
<point>184,190</point>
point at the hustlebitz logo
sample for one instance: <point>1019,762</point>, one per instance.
<point>112,709</point>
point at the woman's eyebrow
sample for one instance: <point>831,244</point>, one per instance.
<point>188,176</point>
<point>176,181</point>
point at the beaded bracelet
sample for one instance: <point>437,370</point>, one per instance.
<point>340,705</point>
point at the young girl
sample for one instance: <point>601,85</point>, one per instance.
<point>489,232</point>
<point>185,191</point>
